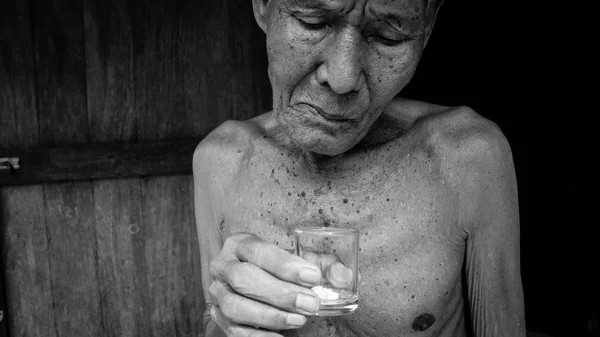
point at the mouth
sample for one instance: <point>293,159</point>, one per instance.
<point>327,116</point>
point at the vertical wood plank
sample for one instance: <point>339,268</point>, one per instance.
<point>61,91</point>
<point>18,117</point>
<point>158,73</point>
<point>134,310</point>
<point>72,250</point>
<point>27,269</point>
<point>175,294</point>
<point>122,240</point>
<point>121,234</point>
<point>109,80</point>
<point>204,35</point>
<point>60,71</point>
<point>224,61</point>
<point>249,81</point>
<point>23,238</point>
<point>3,324</point>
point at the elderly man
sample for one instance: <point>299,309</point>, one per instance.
<point>431,188</point>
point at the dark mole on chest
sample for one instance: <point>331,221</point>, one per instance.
<point>423,322</point>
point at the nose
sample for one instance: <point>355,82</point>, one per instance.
<point>342,67</point>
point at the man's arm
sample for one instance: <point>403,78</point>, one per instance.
<point>217,160</point>
<point>490,219</point>
<point>207,221</point>
<point>212,164</point>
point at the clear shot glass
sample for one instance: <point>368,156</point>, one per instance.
<point>335,250</point>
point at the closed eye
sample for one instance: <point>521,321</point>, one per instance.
<point>312,25</point>
<point>387,41</point>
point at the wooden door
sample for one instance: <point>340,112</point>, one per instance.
<point>88,250</point>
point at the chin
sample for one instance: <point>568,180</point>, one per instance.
<point>326,145</point>
<point>304,132</point>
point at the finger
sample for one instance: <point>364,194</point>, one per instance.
<point>278,262</point>
<point>236,330</point>
<point>250,281</point>
<point>332,267</point>
<point>339,275</point>
<point>242,310</point>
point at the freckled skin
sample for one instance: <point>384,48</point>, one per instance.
<point>431,188</point>
<point>337,70</point>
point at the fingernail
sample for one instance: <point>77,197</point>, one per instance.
<point>341,275</point>
<point>307,303</point>
<point>308,275</point>
<point>295,319</point>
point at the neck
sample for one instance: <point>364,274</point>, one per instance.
<point>322,164</point>
<point>383,130</point>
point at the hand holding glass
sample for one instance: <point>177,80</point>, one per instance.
<point>335,250</point>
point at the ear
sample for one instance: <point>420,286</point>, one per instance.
<point>433,7</point>
<point>260,13</point>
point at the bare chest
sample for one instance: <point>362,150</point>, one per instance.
<point>410,256</point>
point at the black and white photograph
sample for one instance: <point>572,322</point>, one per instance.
<point>294,168</point>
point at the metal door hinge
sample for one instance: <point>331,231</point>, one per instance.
<point>9,163</point>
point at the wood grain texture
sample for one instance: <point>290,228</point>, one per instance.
<point>27,267</point>
<point>18,115</point>
<point>249,77</point>
<point>70,227</point>
<point>59,51</point>
<point>23,257</point>
<point>115,257</point>
<point>99,161</point>
<point>224,63</point>
<point>60,72</point>
<point>3,311</point>
<point>174,284</point>
<point>136,258</point>
<point>175,296</point>
<point>125,234</point>
<point>109,77</point>
<point>158,73</point>
<point>122,238</point>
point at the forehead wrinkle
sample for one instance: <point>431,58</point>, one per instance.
<point>402,14</point>
<point>404,9</point>
<point>396,16</point>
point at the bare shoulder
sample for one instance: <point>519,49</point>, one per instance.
<point>454,131</point>
<point>470,148</point>
<point>225,150</point>
<point>475,157</point>
<point>458,134</point>
<point>470,140</point>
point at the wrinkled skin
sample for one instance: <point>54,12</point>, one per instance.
<point>432,189</point>
<point>346,68</point>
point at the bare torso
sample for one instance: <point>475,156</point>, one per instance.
<point>399,193</point>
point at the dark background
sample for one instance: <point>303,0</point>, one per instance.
<point>506,62</point>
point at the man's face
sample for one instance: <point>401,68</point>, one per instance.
<point>335,64</point>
